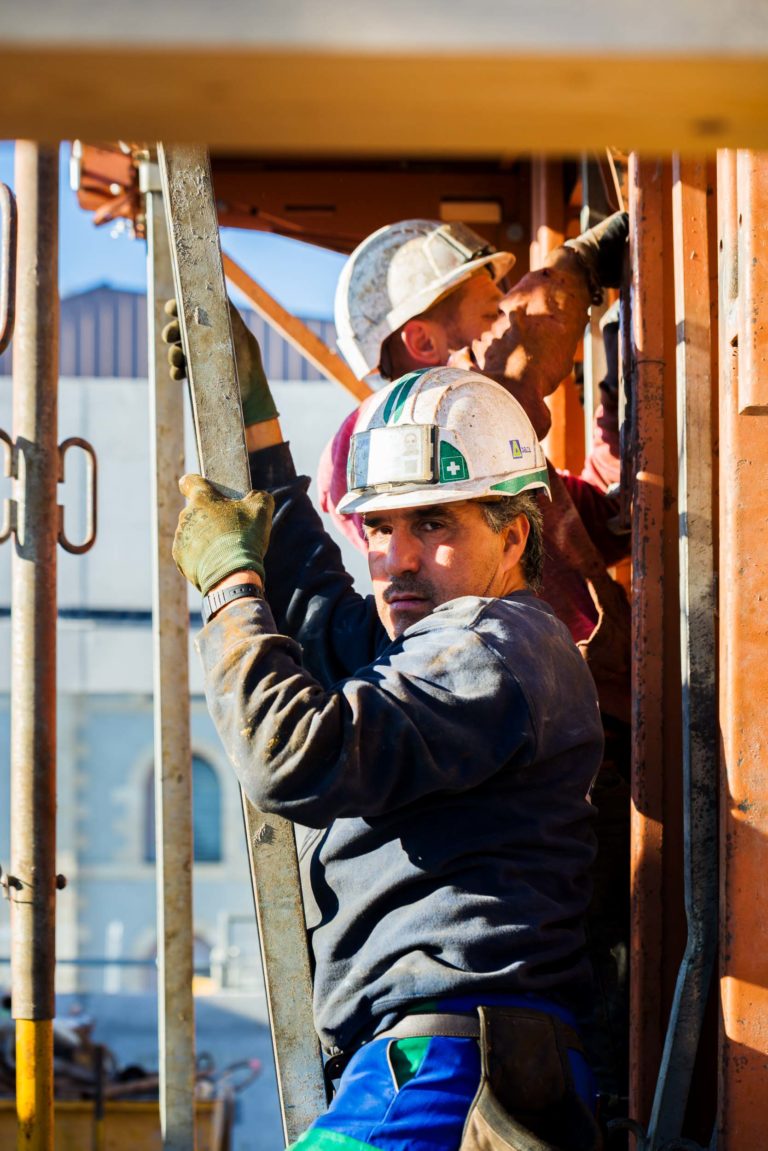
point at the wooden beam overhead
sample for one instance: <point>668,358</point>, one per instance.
<point>311,103</point>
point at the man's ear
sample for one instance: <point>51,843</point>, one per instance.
<point>421,341</point>
<point>516,537</point>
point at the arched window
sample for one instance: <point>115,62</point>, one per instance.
<point>206,813</point>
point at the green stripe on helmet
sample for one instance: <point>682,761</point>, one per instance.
<point>393,408</point>
<point>516,484</point>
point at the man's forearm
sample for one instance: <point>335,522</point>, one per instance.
<point>263,435</point>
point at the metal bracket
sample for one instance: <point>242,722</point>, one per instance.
<point>7,882</point>
<point>8,232</point>
<point>91,495</point>
<point>9,514</point>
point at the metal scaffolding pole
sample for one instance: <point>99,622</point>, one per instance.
<point>204,318</point>
<point>32,884</point>
<point>173,757</point>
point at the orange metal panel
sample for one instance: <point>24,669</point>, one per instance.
<point>752,193</point>
<point>744,686</point>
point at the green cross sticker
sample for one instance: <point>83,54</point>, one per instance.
<point>453,466</point>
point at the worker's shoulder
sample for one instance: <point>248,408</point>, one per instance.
<point>519,609</point>
<point>520,629</point>
<point>502,623</point>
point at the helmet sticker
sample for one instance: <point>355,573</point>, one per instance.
<point>519,450</point>
<point>453,466</point>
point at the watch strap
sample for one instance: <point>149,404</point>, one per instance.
<point>217,599</point>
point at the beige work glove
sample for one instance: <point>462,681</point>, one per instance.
<point>258,403</point>
<point>217,536</point>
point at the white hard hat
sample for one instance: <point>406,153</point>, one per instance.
<point>397,273</point>
<point>437,436</point>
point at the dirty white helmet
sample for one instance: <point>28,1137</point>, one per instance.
<point>437,436</point>
<point>397,273</point>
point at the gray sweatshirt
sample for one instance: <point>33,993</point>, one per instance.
<point>445,775</point>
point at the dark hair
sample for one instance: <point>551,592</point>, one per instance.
<point>500,513</point>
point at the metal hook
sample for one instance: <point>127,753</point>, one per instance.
<point>91,492</point>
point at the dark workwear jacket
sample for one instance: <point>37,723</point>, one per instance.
<point>443,776</point>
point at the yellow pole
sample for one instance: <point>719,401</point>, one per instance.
<point>34,1084</point>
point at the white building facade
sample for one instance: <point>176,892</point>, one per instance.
<point>106,934</point>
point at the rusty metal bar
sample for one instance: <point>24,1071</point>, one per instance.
<point>697,616</point>
<point>173,752</point>
<point>33,640</point>
<point>648,489</point>
<point>8,238</point>
<point>296,332</point>
<point>743,457</point>
<point>205,325</point>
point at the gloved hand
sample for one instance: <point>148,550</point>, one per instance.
<point>217,536</point>
<point>257,401</point>
<point>602,249</point>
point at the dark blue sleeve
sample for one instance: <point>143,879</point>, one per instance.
<point>308,589</point>
<point>422,718</point>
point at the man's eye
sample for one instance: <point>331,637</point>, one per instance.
<point>431,525</point>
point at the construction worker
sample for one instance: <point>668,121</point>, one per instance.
<point>438,740</point>
<point>419,293</point>
<point>416,294</point>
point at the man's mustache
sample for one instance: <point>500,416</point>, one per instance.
<point>409,585</point>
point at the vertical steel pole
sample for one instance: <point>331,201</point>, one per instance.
<point>697,635</point>
<point>173,757</point>
<point>646,239</point>
<point>205,324</point>
<point>33,641</point>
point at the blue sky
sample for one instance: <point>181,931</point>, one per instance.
<point>301,276</point>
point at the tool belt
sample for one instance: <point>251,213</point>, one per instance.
<point>526,1100</point>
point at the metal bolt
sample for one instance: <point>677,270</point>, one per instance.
<point>61,882</point>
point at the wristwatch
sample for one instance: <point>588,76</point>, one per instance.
<point>216,599</point>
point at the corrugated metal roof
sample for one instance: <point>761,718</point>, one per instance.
<point>104,335</point>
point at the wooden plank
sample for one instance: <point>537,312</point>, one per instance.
<point>204,318</point>
<point>295,331</point>
<point>288,102</point>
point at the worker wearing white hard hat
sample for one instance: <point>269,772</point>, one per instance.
<point>402,271</point>
<point>398,309</point>
<point>440,737</point>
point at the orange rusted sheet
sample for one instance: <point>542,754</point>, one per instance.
<point>744,673</point>
<point>752,180</point>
